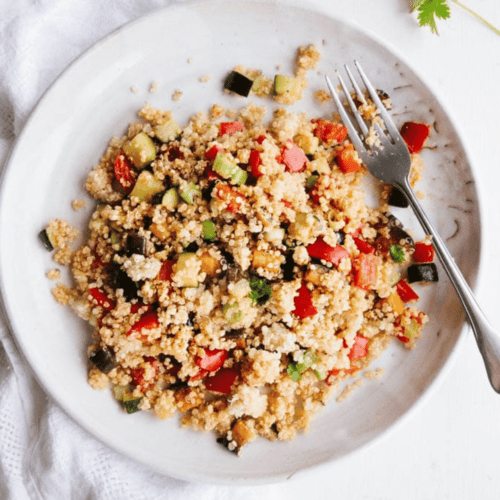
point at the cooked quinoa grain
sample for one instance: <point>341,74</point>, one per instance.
<point>233,272</point>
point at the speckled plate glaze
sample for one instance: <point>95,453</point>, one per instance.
<point>58,147</point>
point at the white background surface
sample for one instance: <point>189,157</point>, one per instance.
<point>450,447</point>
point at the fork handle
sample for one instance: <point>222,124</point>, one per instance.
<point>487,338</point>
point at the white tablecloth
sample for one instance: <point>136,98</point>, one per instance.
<point>448,449</point>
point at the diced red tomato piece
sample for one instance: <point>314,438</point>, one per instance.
<point>304,306</point>
<point>137,375</point>
<point>328,131</point>
<point>102,299</point>
<point>166,270</point>
<point>260,139</point>
<point>359,349</point>
<point>211,153</point>
<point>212,359</point>
<point>363,246</point>
<point>293,157</point>
<point>255,162</point>
<point>230,127</point>
<point>403,339</point>
<point>124,172</point>
<point>222,380</point>
<point>347,159</point>
<point>415,134</point>
<point>321,250</point>
<point>202,373</point>
<point>233,198</point>
<point>365,270</point>
<point>139,305</point>
<point>335,372</point>
<point>424,252</point>
<point>406,292</point>
<point>147,321</point>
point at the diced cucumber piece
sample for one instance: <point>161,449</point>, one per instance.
<point>308,143</point>
<point>412,329</point>
<point>208,228</point>
<point>171,199</point>
<point>141,150</point>
<point>284,84</point>
<point>189,192</point>
<point>187,270</point>
<point>320,165</point>
<point>167,131</point>
<point>146,186</point>
<point>124,396</point>
<point>226,168</point>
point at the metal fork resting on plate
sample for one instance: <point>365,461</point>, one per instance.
<point>390,162</point>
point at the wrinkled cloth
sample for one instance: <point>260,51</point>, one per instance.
<point>44,454</point>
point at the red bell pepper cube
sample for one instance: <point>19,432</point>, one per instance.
<point>363,246</point>
<point>359,349</point>
<point>403,339</point>
<point>415,134</point>
<point>166,270</point>
<point>328,131</point>
<point>293,157</point>
<point>304,307</point>
<point>348,160</point>
<point>233,198</point>
<point>255,162</point>
<point>321,250</point>
<point>137,375</point>
<point>125,174</point>
<point>424,252</point>
<point>230,127</point>
<point>212,360</point>
<point>222,380</point>
<point>202,373</point>
<point>365,270</point>
<point>406,292</point>
<point>211,153</point>
<point>147,321</point>
<point>102,299</point>
<point>260,139</point>
<point>139,305</point>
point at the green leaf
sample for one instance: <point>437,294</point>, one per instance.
<point>429,10</point>
<point>293,372</point>
<point>397,253</point>
<point>261,291</point>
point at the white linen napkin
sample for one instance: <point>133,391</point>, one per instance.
<point>44,454</point>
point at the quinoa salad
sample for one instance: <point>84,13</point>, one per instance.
<point>232,271</point>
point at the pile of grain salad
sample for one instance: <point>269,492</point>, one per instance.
<point>233,272</point>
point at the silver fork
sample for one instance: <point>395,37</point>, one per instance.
<point>391,163</point>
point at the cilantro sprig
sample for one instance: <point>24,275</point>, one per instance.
<point>261,291</point>
<point>431,10</point>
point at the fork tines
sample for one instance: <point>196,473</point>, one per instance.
<point>353,134</point>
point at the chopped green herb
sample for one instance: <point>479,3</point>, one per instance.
<point>309,359</point>
<point>311,181</point>
<point>397,254</point>
<point>293,372</point>
<point>261,291</point>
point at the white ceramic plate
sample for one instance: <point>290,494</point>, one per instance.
<point>91,101</point>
